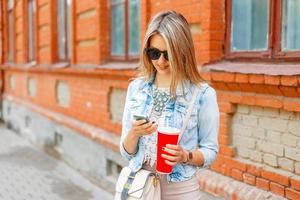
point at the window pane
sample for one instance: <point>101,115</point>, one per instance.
<point>134,27</point>
<point>249,25</point>
<point>31,30</point>
<point>290,25</point>
<point>61,30</point>
<point>113,2</point>
<point>11,36</point>
<point>10,4</point>
<point>69,30</point>
<point>117,30</point>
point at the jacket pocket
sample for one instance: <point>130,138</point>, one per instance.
<point>180,115</point>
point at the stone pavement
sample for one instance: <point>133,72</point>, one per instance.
<point>27,173</point>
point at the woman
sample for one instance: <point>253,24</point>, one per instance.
<point>168,78</point>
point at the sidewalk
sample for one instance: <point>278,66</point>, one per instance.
<point>27,173</point>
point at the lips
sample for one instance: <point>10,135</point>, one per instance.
<point>163,67</point>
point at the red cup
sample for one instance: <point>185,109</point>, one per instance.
<point>165,135</point>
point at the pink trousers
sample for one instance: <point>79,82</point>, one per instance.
<point>185,190</point>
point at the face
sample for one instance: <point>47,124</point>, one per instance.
<point>161,64</point>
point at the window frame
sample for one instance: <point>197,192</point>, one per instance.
<point>10,41</point>
<point>1,33</point>
<point>273,52</point>
<point>126,56</point>
<point>34,31</point>
<point>68,42</point>
<point>291,55</point>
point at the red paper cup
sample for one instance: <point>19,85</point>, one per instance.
<point>165,135</point>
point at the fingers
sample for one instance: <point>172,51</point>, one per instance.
<point>142,128</point>
<point>171,151</point>
<point>170,158</point>
<point>146,125</point>
<point>170,163</point>
<point>175,154</point>
<point>174,147</point>
<point>138,122</point>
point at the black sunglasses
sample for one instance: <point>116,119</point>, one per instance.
<point>154,53</point>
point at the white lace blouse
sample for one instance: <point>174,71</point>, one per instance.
<point>160,97</point>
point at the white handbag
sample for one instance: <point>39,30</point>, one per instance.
<point>145,185</point>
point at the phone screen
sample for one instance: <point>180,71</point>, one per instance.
<point>140,117</point>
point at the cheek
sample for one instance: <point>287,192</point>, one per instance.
<point>153,63</point>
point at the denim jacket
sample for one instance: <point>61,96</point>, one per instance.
<point>200,133</point>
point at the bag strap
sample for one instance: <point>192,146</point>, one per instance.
<point>127,185</point>
<point>189,111</point>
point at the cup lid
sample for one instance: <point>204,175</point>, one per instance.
<point>168,130</point>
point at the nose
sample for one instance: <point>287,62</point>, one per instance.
<point>161,60</point>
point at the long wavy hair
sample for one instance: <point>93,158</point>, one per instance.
<point>174,28</point>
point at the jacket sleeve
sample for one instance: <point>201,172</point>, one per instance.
<point>208,126</point>
<point>126,122</point>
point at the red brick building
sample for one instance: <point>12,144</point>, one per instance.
<point>66,64</point>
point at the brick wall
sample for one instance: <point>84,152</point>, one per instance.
<point>88,94</point>
<point>259,132</point>
<point>256,128</point>
<point>267,136</point>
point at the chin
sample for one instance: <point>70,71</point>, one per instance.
<point>164,72</point>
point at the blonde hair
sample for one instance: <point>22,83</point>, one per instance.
<point>174,28</point>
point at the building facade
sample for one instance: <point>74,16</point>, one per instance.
<point>66,64</point>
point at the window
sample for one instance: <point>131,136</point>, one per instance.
<point>267,29</point>
<point>125,29</point>
<point>31,30</point>
<point>64,29</point>
<point>290,34</point>
<point>1,34</point>
<point>10,6</point>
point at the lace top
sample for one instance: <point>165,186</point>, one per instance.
<point>160,98</point>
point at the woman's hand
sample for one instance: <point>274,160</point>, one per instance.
<point>140,128</point>
<point>178,154</point>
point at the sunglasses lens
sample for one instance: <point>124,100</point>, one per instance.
<point>153,54</point>
<point>166,56</point>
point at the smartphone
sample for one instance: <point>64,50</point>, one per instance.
<point>141,117</point>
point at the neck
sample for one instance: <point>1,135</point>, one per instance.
<point>163,80</point>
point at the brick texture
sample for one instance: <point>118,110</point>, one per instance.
<point>277,189</point>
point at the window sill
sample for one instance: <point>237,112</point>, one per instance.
<point>271,69</point>
<point>119,65</point>
<point>60,65</point>
<point>30,64</point>
<point>125,70</point>
<point>264,78</point>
